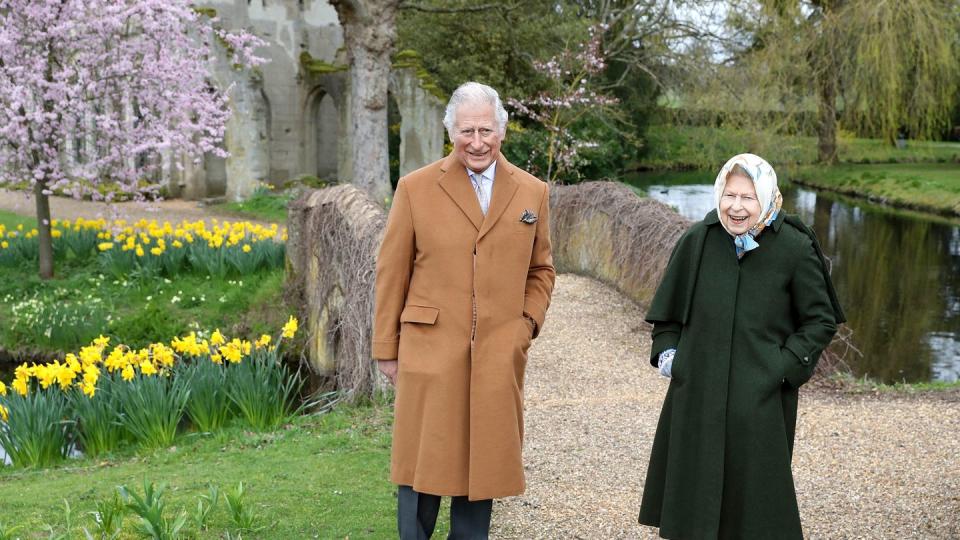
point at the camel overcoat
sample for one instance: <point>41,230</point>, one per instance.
<point>458,426</point>
<point>747,334</point>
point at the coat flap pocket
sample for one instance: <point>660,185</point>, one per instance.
<point>419,314</point>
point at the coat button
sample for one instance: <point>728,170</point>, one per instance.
<point>806,359</point>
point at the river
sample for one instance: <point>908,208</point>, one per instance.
<point>897,273</point>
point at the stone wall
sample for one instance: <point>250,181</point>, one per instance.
<point>333,238</point>
<point>605,231</point>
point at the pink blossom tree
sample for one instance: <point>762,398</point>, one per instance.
<point>571,93</point>
<point>95,91</point>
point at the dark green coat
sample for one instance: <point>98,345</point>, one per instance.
<point>748,333</point>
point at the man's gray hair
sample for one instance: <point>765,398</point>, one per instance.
<point>474,92</point>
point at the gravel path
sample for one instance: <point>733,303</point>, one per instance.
<point>866,466</point>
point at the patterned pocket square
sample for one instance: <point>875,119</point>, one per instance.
<point>528,217</point>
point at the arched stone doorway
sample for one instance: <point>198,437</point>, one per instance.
<point>322,135</point>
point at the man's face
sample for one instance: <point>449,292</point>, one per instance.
<point>476,139</point>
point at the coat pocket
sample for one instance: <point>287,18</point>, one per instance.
<point>419,314</point>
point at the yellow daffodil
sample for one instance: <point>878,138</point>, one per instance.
<point>147,368</point>
<point>116,360</point>
<point>290,329</point>
<point>3,389</point>
<point>162,354</point>
<point>101,341</point>
<point>4,415</point>
<point>56,233</point>
<point>263,341</point>
<point>88,389</point>
<point>217,338</point>
<point>63,374</point>
<point>20,386</point>
<point>216,358</point>
<point>4,244</point>
<point>246,248</point>
<point>246,346</point>
<point>232,351</point>
<point>139,250</point>
<point>91,374</point>
<point>45,375</point>
<point>104,246</point>
<point>156,251</point>
<point>127,373</point>
<point>71,361</point>
<point>91,354</point>
<point>23,372</point>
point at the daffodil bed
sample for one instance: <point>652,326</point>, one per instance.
<point>103,397</point>
<point>136,282</point>
<point>148,249</point>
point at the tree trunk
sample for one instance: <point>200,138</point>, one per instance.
<point>369,32</point>
<point>827,121</point>
<point>43,227</point>
<point>826,66</point>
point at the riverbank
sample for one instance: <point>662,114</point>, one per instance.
<point>927,187</point>
<point>699,147</point>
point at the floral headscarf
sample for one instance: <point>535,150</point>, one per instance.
<point>765,182</point>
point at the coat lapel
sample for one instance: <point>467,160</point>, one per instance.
<point>455,182</point>
<point>504,187</point>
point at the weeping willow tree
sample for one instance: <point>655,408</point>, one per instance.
<point>903,71</point>
<point>879,68</point>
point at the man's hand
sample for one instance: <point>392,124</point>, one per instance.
<point>388,368</point>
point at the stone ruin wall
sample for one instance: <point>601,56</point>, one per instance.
<point>289,121</point>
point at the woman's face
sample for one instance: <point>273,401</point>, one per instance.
<point>739,205</point>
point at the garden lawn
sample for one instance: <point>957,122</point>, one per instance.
<point>697,147</point>
<point>12,220</point>
<point>321,477</point>
<point>931,187</point>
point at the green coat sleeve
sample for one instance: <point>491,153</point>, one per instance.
<point>666,335</point>
<point>670,307</point>
<point>812,306</point>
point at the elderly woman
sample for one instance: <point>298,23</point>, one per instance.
<point>744,310</point>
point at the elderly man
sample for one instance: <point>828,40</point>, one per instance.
<point>463,283</point>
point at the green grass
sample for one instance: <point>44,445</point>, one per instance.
<point>11,220</point>
<point>695,147</point>
<point>142,312</point>
<point>264,205</point>
<point>866,384</point>
<point>321,477</point>
<point>933,187</point>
